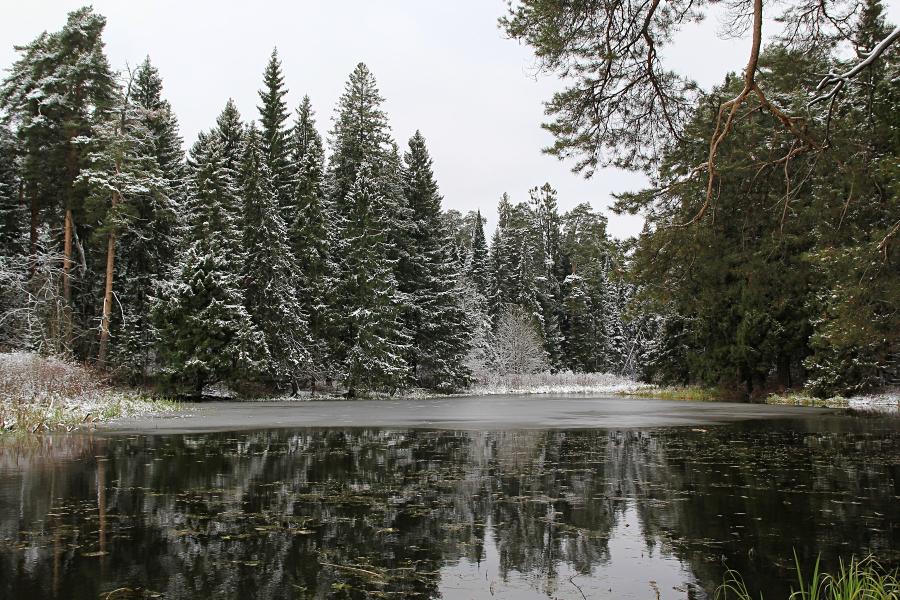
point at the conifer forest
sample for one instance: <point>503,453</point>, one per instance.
<point>267,256</point>
<point>258,341</point>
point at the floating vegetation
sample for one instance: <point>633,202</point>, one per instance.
<point>375,513</point>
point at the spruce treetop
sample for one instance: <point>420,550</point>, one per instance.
<point>273,110</point>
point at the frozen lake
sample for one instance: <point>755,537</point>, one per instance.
<point>499,497</point>
<point>537,411</point>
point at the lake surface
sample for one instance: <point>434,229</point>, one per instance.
<point>642,500</point>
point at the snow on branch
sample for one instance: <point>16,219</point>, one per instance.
<point>836,81</point>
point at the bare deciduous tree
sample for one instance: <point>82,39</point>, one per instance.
<point>34,310</point>
<point>517,345</point>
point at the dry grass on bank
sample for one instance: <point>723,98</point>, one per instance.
<point>694,393</point>
<point>46,393</point>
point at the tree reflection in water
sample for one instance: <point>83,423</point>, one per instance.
<point>414,513</point>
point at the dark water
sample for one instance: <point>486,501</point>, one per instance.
<point>418,513</point>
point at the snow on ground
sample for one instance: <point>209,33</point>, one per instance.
<point>43,393</point>
<point>888,401</point>
<point>555,383</point>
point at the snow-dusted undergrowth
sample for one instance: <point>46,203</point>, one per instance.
<point>44,393</point>
<point>554,383</point>
<point>886,401</point>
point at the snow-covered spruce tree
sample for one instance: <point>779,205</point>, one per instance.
<point>585,249</point>
<point>504,257</point>
<point>478,268</point>
<point>360,134</point>
<point>370,339</point>
<point>206,334</point>
<point>273,116</point>
<point>437,323</point>
<point>578,324</point>
<point>303,135</point>
<point>147,247</point>
<point>545,236</point>
<point>310,235</point>
<point>31,316</point>
<point>619,334</point>
<point>478,298</point>
<point>13,245</point>
<point>228,138</point>
<point>361,137</point>
<point>270,275</point>
<point>229,133</point>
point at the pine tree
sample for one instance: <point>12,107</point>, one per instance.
<point>122,173</point>
<point>437,324</point>
<point>269,277</point>
<point>273,115</point>
<point>55,94</point>
<point>371,340</point>
<point>310,233</point>
<point>206,334</point>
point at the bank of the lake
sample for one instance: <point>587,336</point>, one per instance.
<point>40,394</point>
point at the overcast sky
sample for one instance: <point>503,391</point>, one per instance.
<point>444,68</point>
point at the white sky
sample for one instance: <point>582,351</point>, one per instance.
<point>444,68</point>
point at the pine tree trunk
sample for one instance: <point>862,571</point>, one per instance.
<point>107,298</point>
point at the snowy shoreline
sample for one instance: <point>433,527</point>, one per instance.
<point>39,394</point>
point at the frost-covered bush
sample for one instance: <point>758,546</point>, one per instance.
<point>517,347</point>
<point>565,382</point>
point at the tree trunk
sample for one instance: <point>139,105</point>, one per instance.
<point>33,229</point>
<point>66,280</point>
<point>107,298</point>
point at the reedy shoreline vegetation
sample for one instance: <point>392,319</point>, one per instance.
<point>39,394</point>
<point>858,579</point>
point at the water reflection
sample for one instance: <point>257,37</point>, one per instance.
<point>426,514</point>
